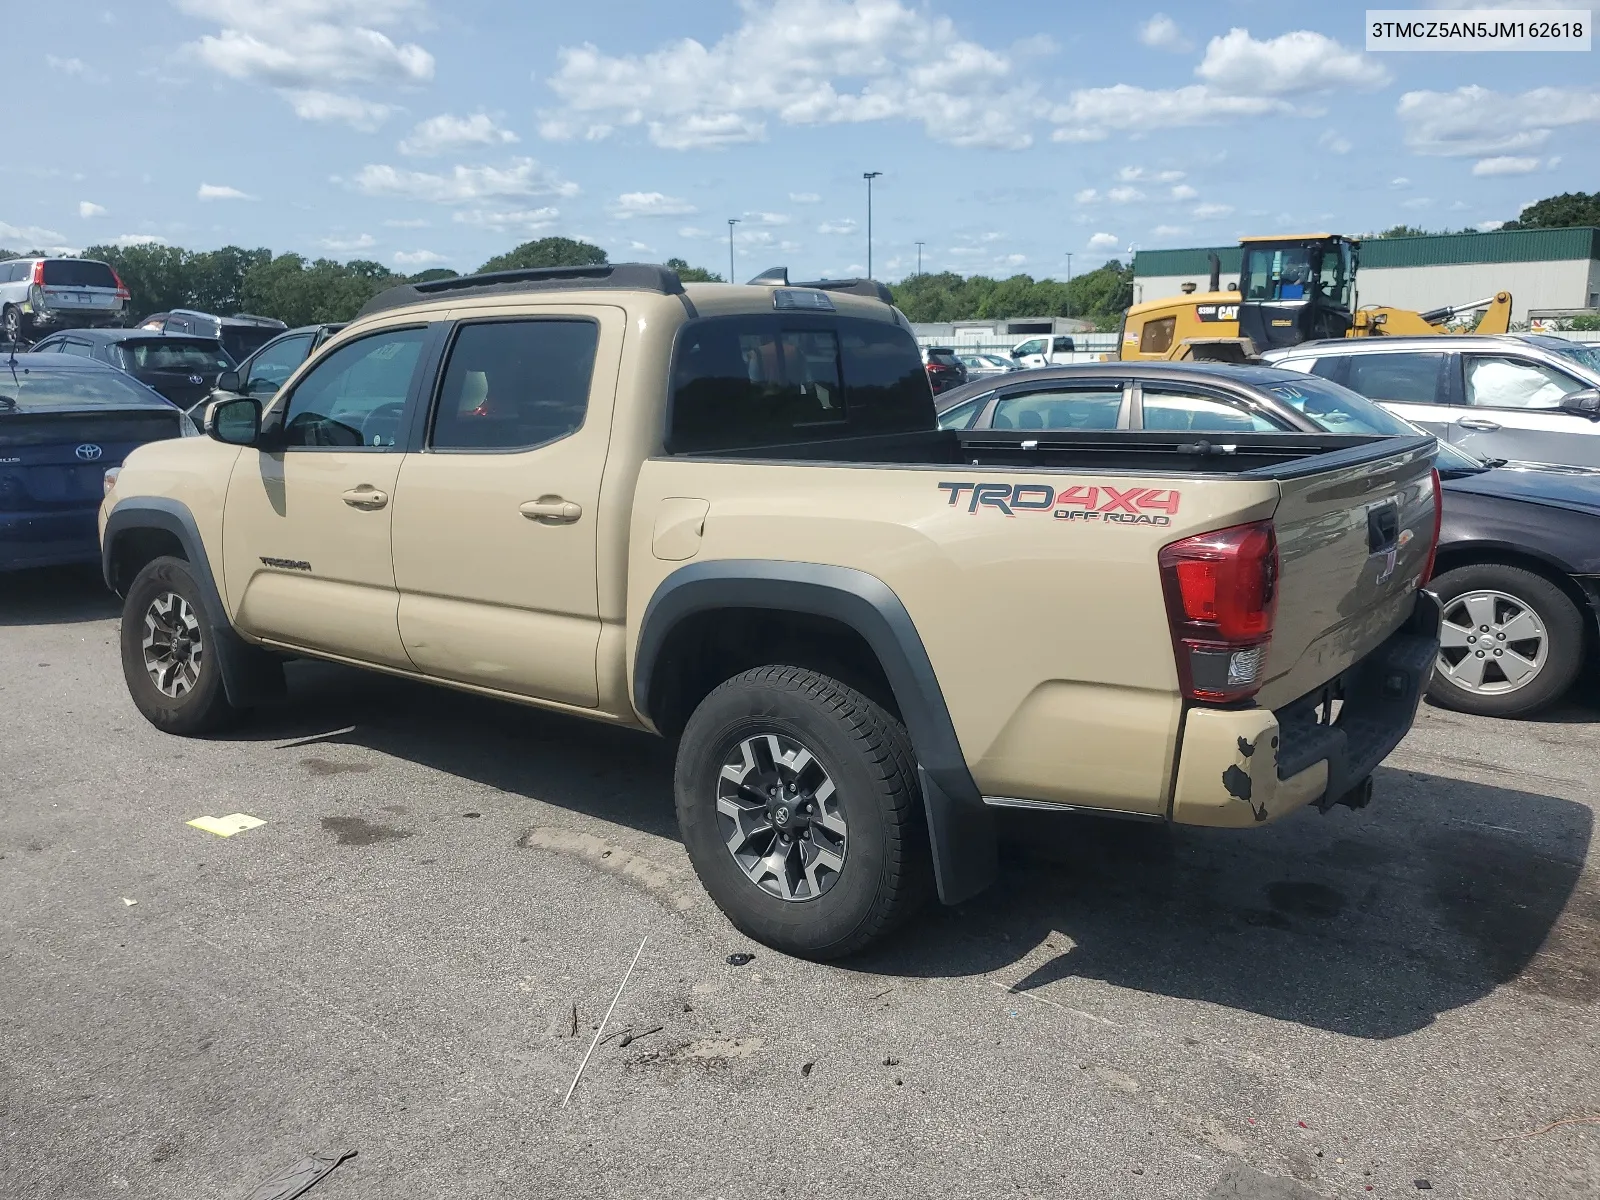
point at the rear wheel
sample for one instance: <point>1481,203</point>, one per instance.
<point>798,803</point>
<point>168,652</point>
<point>11,322</point>
<point>1510,643</point>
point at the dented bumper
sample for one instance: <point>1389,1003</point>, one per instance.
<point>1242,767</point>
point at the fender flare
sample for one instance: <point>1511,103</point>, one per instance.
<point>250,675</point>
<point>960,828</point>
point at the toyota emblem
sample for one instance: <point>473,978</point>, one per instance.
<point>197,380</point>
<point>88,452</point>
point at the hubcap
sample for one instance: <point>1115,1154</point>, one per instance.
<point>172,646</point>
<point>779,816</point>
<point>1491,643</point>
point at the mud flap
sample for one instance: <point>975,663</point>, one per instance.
<point>961,836</point>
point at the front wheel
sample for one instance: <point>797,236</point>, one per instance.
<point>1510,643</point>
<point>798,802</point>
<point>169,655</point>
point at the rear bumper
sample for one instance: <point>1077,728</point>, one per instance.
<point>1241,767</point>
<point>49,539</point>
<point>72,318</point>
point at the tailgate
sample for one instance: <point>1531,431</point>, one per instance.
<point>1354,533</point>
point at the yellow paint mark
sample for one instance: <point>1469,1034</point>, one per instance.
<point>226,826</point>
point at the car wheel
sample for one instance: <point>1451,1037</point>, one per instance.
<point>798,803</point>
<point>13,325</point>
<point>168,662</point>
<point>1511,641</point>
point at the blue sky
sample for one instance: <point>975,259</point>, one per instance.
<point>440,132</point>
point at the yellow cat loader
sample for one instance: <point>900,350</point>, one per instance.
<point>1291,289</point>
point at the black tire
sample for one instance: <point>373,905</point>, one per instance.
<point>14,325</point>
<point>886,869</point>
<point>1552,608</point>
<point>195,701</point>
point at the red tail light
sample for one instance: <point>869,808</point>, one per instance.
<point>122,289</point>
<point>38,274</point>
<point>1222,594</point>
<point>1438,522</point>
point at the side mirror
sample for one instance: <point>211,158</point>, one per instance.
<point>228,381</point>
<point>235,421</point>
<point>1583,403</point>
<point>1016,354</point>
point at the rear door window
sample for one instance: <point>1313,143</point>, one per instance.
<point>1179,409</point>
<point>77,272</point>
<point>513,385</point>
<point>752,381</point>
<point>1398,377</point>
<point>1061,345</point>
<point>1087,407</point>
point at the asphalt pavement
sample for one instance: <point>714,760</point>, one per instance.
<point>409,957</point>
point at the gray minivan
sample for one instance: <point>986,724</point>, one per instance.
<point>1520,397</point>
<point>38,295</point>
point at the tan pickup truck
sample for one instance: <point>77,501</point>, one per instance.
<point>726,514</point>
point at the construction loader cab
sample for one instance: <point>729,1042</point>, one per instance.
<point>1296,289</point>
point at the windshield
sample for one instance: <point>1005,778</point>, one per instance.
<point>943,356</point>
<point>242,342</point>
<point>99,385</point>
<point>1337,409</point>
<point>1587,355</point>
<point>168,354</point>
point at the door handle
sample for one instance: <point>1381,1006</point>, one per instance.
<point>366,497</point>
<point>1478,423</point>
<point>551,510</point>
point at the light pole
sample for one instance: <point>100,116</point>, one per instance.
<point>920,245</point>
<point>732,221</point>
<point>869,176</point>
<point>1069,283</point>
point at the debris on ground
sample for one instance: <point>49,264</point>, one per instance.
<point>805,1068</point>
<point>1533,1133</point>
<point>891,1062</point>
<point>472,814</point>
<point>226,826</point>
<point>1422,1185</point>
<point>297,1180</point>
<point>598,1029</point>
<point>629,1038</point>
<point>129,903</point>
<point>739,959</point>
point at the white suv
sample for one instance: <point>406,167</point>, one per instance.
<point>38,295</point>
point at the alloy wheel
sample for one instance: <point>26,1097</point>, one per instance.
<point>1491,642</point>
<point>779,816</point>
<point>172,645</point>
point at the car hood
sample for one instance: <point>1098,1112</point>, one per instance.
<point>1575,488</point>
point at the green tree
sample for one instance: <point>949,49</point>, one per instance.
<point>548,252</point>
<point>1559,212</point>
<point>692,274</point>
<point>298,292</point>
<point>216,277</point>
<point>433,273</point>
<point>156,276</point>
<point>1395,231</point>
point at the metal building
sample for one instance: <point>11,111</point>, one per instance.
<point>1541,268</point>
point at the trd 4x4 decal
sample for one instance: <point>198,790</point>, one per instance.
<point>1081,502</point>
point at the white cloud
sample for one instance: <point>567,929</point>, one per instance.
<point>137,239</point>
<point>463,184</point>
<point>217,191</point>
<point>1140,175</point>
<point>650,204</point>
<point>446,133</point>
<point>516,220</point>
<point>799,62</point>
<point>1011,260</point>
<point>417,258</point>
<point>29,237</point>
<point>1334,142</point>
<point>1162,32</point>
<point>1476,121</point>
<point>1092,114</point>
<point>845,225</point>
<point>1086,196</point>
<point>313,104</point>
<point>1399,181</point>
<point>87,209</point>
<point>308,43</point>
<point>1297,62</point>
<point>1124,195</point>
<point>1183,192</point>
<point>408,223</point>
<point>1505,165</point>
<point>1104,242</point>
<point>67,66</point>
<point>1417,202</point>
<point>767,218</point>
<point>805,197</point>
<point>346,245</point>
<point>1207,212</point>
<point>1168,231</point>
<point>1488,226</point>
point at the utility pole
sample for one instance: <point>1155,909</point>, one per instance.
<point>1069,283</point>
<point>732,221</point>
<point>920,245</point>
<point>869,176</point>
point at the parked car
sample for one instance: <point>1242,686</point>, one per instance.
<point>1526,398</point>
<point>63,422</point>
<point>241,334</point>
<point>944,369</point>
<point>1518,566</point>
<point>1044,351</point>
<point>981,366</point>
<point>183,369</point>
<point>38,295</point>
<point>744,530</point>
<point>264,372</point>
